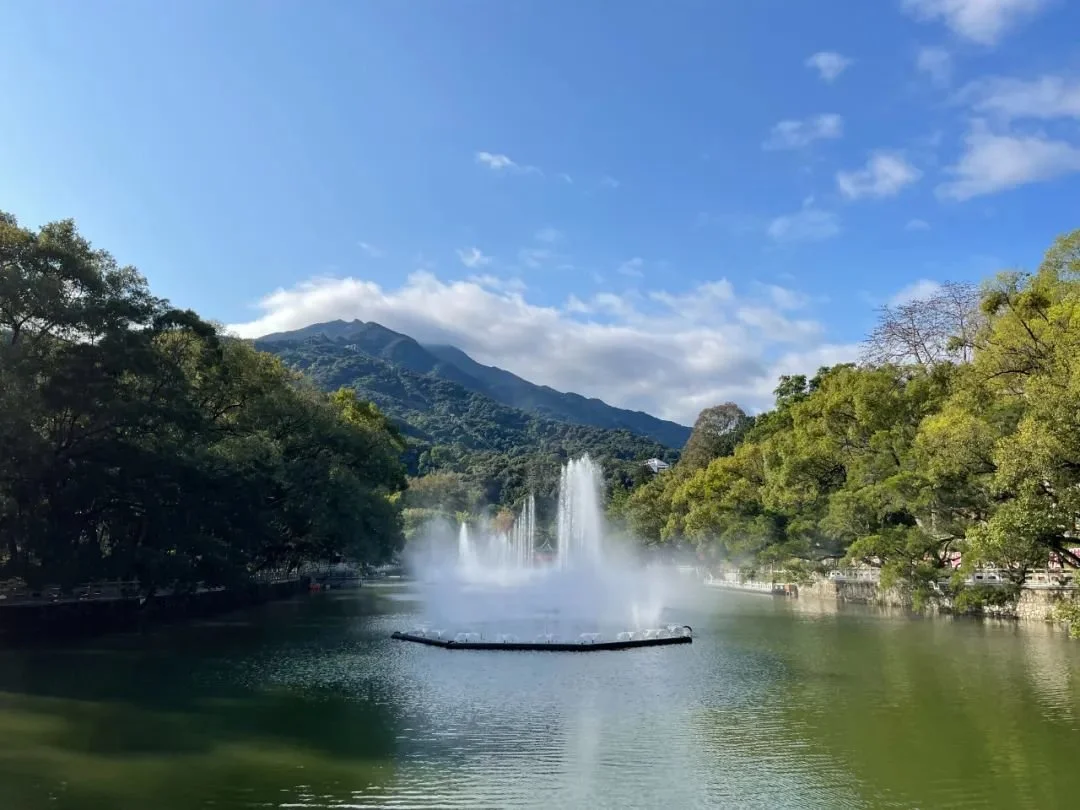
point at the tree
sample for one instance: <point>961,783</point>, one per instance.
<point>1026,367</point>
<point>716,432</point>
<point>449,493</point>
<point>960,435</point>
<point>647,511</point>
<point>140,443</point>
<point>941,327</point>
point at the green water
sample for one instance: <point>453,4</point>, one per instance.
<point>777,704</point>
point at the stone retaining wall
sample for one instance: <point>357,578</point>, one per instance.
<point>1035,604</point>
<point>862,592</point>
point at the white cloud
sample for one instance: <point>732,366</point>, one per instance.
<point>936,63</point>
<point>607,181</point>
<point>473,257</point>
<point>919,290</point>
<point>917,225</point>
<point>632,267</point>
<point>996,162</point>
<point>667,353</point>
<point>829,64</point>
<point>798,134</point>
<point>808,225</point>
<point>982,21</point>
<point>884,175</point>
<point>783,330</point>
<point>576,305</point>
<point>785,298</point>
<point>371,250</point>
<point>607,303</point>
<point>549,235</point>
<point>493,161</point>
<point>491,282</point>
<point>565,178</point>
<point>1047,97</point>
<point>501,163</point>
<point>705,294</point>
<point>535,258</point>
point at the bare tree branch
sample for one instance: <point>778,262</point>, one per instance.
<point>929,331</point>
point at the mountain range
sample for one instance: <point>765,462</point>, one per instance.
<point>414,381</point>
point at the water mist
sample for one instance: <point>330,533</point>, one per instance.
<point>499,585</point>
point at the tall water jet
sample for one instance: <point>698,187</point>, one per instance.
<point>502,551</point>
<point>497,586</point>
<point>523,535</point>
<point>579,519</point>
<point>466,553</point>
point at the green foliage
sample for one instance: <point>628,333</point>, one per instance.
<point>494,453</point>
<point>450,491</point>
<point>717,431</point>
<point>441,412</point>
<point>1067,612</point>
<point>451,364</point>
<point>965,439</point>
<point>979,598</point>
<point>139,443</point>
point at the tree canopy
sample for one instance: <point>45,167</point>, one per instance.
<point>140,442</point>
<point>716,432</point>
<point>959,434</point>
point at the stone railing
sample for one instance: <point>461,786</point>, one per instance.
<point>763,582</point>
<point>1042,578</point>
<point>855,575</point>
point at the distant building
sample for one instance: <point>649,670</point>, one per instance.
<point>656,465</point>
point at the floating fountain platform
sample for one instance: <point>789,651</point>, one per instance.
<point>589,643</point>
<point>503,583</point>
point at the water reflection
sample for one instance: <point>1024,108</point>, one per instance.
<point>938,712</point>
<point>186,716</point>
<point>309,704</point>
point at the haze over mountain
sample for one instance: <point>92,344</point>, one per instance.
<point>337,340</point>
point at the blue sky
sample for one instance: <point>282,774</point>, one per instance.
<point>661,204</point>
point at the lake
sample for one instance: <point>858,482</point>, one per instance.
<point>777,704</point>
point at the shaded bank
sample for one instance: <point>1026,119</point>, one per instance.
<point>69,619</point>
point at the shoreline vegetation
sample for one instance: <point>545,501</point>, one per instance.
<point>951,448</point>
<point>142,443</point>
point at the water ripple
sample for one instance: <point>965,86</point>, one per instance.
<point>772,706</point>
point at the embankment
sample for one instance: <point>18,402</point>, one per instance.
<point>860,592</point>
<point>1034,604</point>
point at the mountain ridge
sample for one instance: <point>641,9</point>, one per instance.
<point>440,413</point>
<point>504,387</point>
